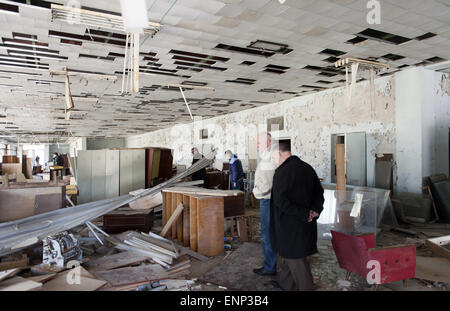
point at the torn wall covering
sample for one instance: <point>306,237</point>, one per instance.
<point>309,122</point>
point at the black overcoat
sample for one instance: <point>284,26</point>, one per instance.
<point>296,190</point>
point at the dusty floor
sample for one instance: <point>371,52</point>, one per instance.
<point>234,270</point>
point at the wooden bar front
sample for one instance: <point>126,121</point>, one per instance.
<point>201,225</point>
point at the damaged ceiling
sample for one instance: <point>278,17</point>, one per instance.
<point>252,52</point>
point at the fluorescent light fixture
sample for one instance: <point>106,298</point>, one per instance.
<point>134,13</point>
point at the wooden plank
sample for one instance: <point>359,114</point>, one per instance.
<point>155,163</point>
<point>340,171</point>
<point>6,274</point>
<point>119,260</point>
<point>180,219</point>
<point>42,278</point>
<point>242,225</point>
<point>436,245</point>
<point>18,283</point>
<point>112,174</point>
<point>210,226</point>
<point>433,269</point>
<point>174,225</point>
<point>186,220</point>
<point>147,202</point>
<point>165,207</point>
<point>129,275</point>
<point>66,282</point>
<point>173,218</point>
<point>193,223</point>
<point>17,263</point>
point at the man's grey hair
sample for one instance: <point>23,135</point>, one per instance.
<point>229,152</point>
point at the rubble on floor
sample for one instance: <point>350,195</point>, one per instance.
<point>136,261</point>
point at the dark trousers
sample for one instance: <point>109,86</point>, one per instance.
<point>295,275</point>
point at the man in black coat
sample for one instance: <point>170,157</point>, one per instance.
<point>297,201</point>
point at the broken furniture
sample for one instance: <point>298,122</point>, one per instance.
<point>440,246</point>
<point>440,190</point>
<point>19,234</point>
<point>355,210</point>
<point>125,219</point>
<point>158,166</point>
<point>413,207</point>
<point>201,223</point>
<point>384,172</point>
<point>216,179</point>
<point>22,200</point>
<point>357,254</point>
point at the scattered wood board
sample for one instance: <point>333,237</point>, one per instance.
<point>119,260</point>
<point>18,283</point>
<point>88,282</point>
<point>131,275</point>
<point>42,278</point>
<point>433,269</point>
<point>437,245</point>
<point>10,264</point>
<point>172,219</point>
<point>147,202</point>
<point>8,273</point>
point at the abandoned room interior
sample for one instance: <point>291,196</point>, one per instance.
<point>225,145</point>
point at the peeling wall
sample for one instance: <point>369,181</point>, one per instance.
<point>423,123</point>
<point>309,122</point>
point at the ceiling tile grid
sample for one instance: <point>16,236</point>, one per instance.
<point>253,52</point>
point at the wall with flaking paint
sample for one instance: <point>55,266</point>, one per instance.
<point>423,123</point>
<point>309,122</point>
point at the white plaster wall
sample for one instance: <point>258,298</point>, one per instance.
<point>423,122</point>
<point>309,122</point>
<point>409,97</point>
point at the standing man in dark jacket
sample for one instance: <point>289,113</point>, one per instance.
<point>297,201</point>
<point>236,171</point>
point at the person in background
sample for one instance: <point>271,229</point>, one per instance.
<point>236,171</point>
<point>37,160</point>
<point>262,191</point>
<point>201,174</point>
<point>297,201</point>
<point>57,159</point>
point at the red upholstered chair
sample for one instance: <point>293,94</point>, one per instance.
<point>354,253</point>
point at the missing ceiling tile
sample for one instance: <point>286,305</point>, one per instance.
<point>393,57</point>
<point>244,50</point>
<point>426,36</point>
<point>242,81</point>
<point>357,40</point>
<point>9,8</point>
<point>385,37</point>
<point>247,63</point>
<point>332,52</point>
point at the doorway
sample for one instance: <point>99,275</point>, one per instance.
<point>355,157</point>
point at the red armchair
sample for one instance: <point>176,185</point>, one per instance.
<point>354,253</point>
